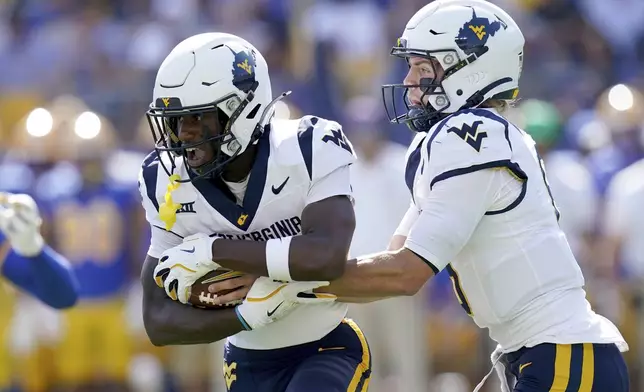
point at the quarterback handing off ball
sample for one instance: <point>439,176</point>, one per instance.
<point>202,298</point>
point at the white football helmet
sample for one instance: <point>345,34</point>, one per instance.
<point>480,49</point>
<point>211,73</point>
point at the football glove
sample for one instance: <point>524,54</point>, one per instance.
<point>179,267</point>
<point>20,222</point>
<point>269,300</point>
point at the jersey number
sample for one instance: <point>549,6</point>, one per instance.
<point>458,290</point>
<point>91,232</point>
<point>337,137</point>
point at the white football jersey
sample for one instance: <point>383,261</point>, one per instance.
<point>497,233</point>
<point>298,162</point>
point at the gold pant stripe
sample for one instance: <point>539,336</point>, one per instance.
<point>563,358</point>
<point>365,386</point>
<point>366,358</point>
<point>587,368</point>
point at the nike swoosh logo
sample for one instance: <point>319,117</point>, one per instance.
<point>279,188</point>
<point>208,84</point>
<point>189,250</point>
<point>330,348</point>
<point>525,365</point>
<point>269,314</point>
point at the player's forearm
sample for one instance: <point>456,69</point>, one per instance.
<point>396,243</point>
<point>375,276</point>
<point>310,257</point>
<point>54,282</point>
<point>239,255</point>
<point>171,323</point>
<point>46,276</point>
<point>378,276</point>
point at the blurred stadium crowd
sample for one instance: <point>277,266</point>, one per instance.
<point>75,81</point>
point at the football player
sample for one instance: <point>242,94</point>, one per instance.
<point>32,150</point>
<point>274,199</point>
<point>482,209</point>
<point>25,259</point>
<point>89,209</point>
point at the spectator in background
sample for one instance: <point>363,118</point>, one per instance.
<point>624,220</point>
<point>622,248</point>
<point>621,109</point>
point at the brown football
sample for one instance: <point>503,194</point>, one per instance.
<point>199,295</point>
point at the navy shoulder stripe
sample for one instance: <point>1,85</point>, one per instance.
<point>305,139</point>
<point>412,167</point>
<point>511,166</point>
<point>150,170</point>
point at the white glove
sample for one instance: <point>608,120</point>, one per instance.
<point>20,222</point>
<point>269,300</point>
<point>181,266</point>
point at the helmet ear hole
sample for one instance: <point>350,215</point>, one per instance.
<point>253,112</point>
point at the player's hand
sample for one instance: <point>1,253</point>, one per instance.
<point>241,287</point>
<point>269,300</point>
<point>181,266</point>
<point>20,222</point>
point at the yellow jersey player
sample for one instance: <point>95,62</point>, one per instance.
<point>273,198</point>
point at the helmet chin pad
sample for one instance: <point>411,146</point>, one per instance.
<point>419,118</point>
<point>423,118</point>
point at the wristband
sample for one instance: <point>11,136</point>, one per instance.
<point>277,253</point>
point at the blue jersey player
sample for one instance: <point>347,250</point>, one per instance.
<point>90,217</point>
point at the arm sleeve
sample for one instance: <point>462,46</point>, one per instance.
<point>450,213</point>
<point>47,276</point>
